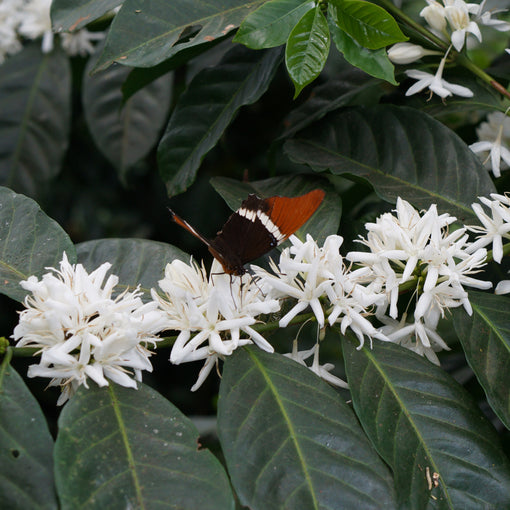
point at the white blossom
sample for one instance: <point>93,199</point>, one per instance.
<point>485,17</point>
<point>80,42</point>
<point>213,315</point>
<point>415,336</point>
<point>323,371</point>
<point>435,83</point>
<point>82,332</point>
<point>418,251</point>
<point>317,278</point>
<point>495,227</point>
<point>10,17</point>
<point>457,13</point>
<point>494,138</point>
<point>435,15</point>
<point>36,22</point>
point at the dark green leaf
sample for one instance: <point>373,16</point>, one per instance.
<point>70,15</point>
<point>373,62</point>
<point>351,87</point>
<point>307,49</point>
<point>291,442</point>
<point>124,448</point>
<point>485,338</point>
<point>368,24</point>
<point>207,108</point>
<point>140,77</point>
<point>401,152</point>
<point>30,241</point>
<point>324,222</point>
<point>26,448</point>
<point>423,422</point>
<point>34,120</point>
<point>134,261</point>
<point>270,25</point>
<point>143,34</point>
<point>124,132</point>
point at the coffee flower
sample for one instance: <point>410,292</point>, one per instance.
<point>419,252</point>
<point>82,332</point>
<point>495,227</point>
<point>494,138</point>
<point>323,371</point>
<point>213,315</point>
<point>435,83</point>
<point>316,277</point>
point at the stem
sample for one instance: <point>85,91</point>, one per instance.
<point>468,64</point>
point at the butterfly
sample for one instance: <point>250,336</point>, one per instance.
<point>256,227</point>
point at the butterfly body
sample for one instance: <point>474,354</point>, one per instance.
<point>258,226</point>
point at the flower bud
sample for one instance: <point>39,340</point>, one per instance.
<point>434,15</point>
<point>405,53</point>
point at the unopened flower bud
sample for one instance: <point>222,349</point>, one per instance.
<point>435,15</point>
<point>405,53</point>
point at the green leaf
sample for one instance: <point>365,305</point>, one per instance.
<point>138,78</point>
<point>370,25</point>
<point>124,448</point>
<point>373,62</point>
<point>134,261</point>
<point>143,34</point>
<point>206,109</point>
<point>30,242</point>
<point>124,132</point>
<point>401,152</point>
<point>485,338</point>
<point>325,220</point>
<point>26,447</point>
<point>270,25</point>
<point>352,87</point>
<point>291,442</point>
<point>307,49</point>
<point>423,422</point>
<point>71,15</point>
<point>34,123</point>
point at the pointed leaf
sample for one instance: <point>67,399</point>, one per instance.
<point>125,448</point>
<point>207,107</point>
<point>30,242</point>
<point>134,261</point>
<point>307,48</point>
<point>144,34</point>
<point>71,15</point>
<point>373,62</point>
<point>349,88</point>
<point>26,447</point>
<point>270,25</point>
<point>423,423</point>
<point>485,338</point>
<point>368,24</point>
<point>124,132</point>
<point>323,223</point>
<point>34,124</point>
<point>291,442</point>
<point>401,152</point>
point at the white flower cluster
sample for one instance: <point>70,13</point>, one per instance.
<point>418,253</point>
<point>30,19</point>
<point>212,315</point>
<point>415,265</point>
<point>494,229</point>
<point>81,332</point>
<point>494,139</point>
<point>451,21</point>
